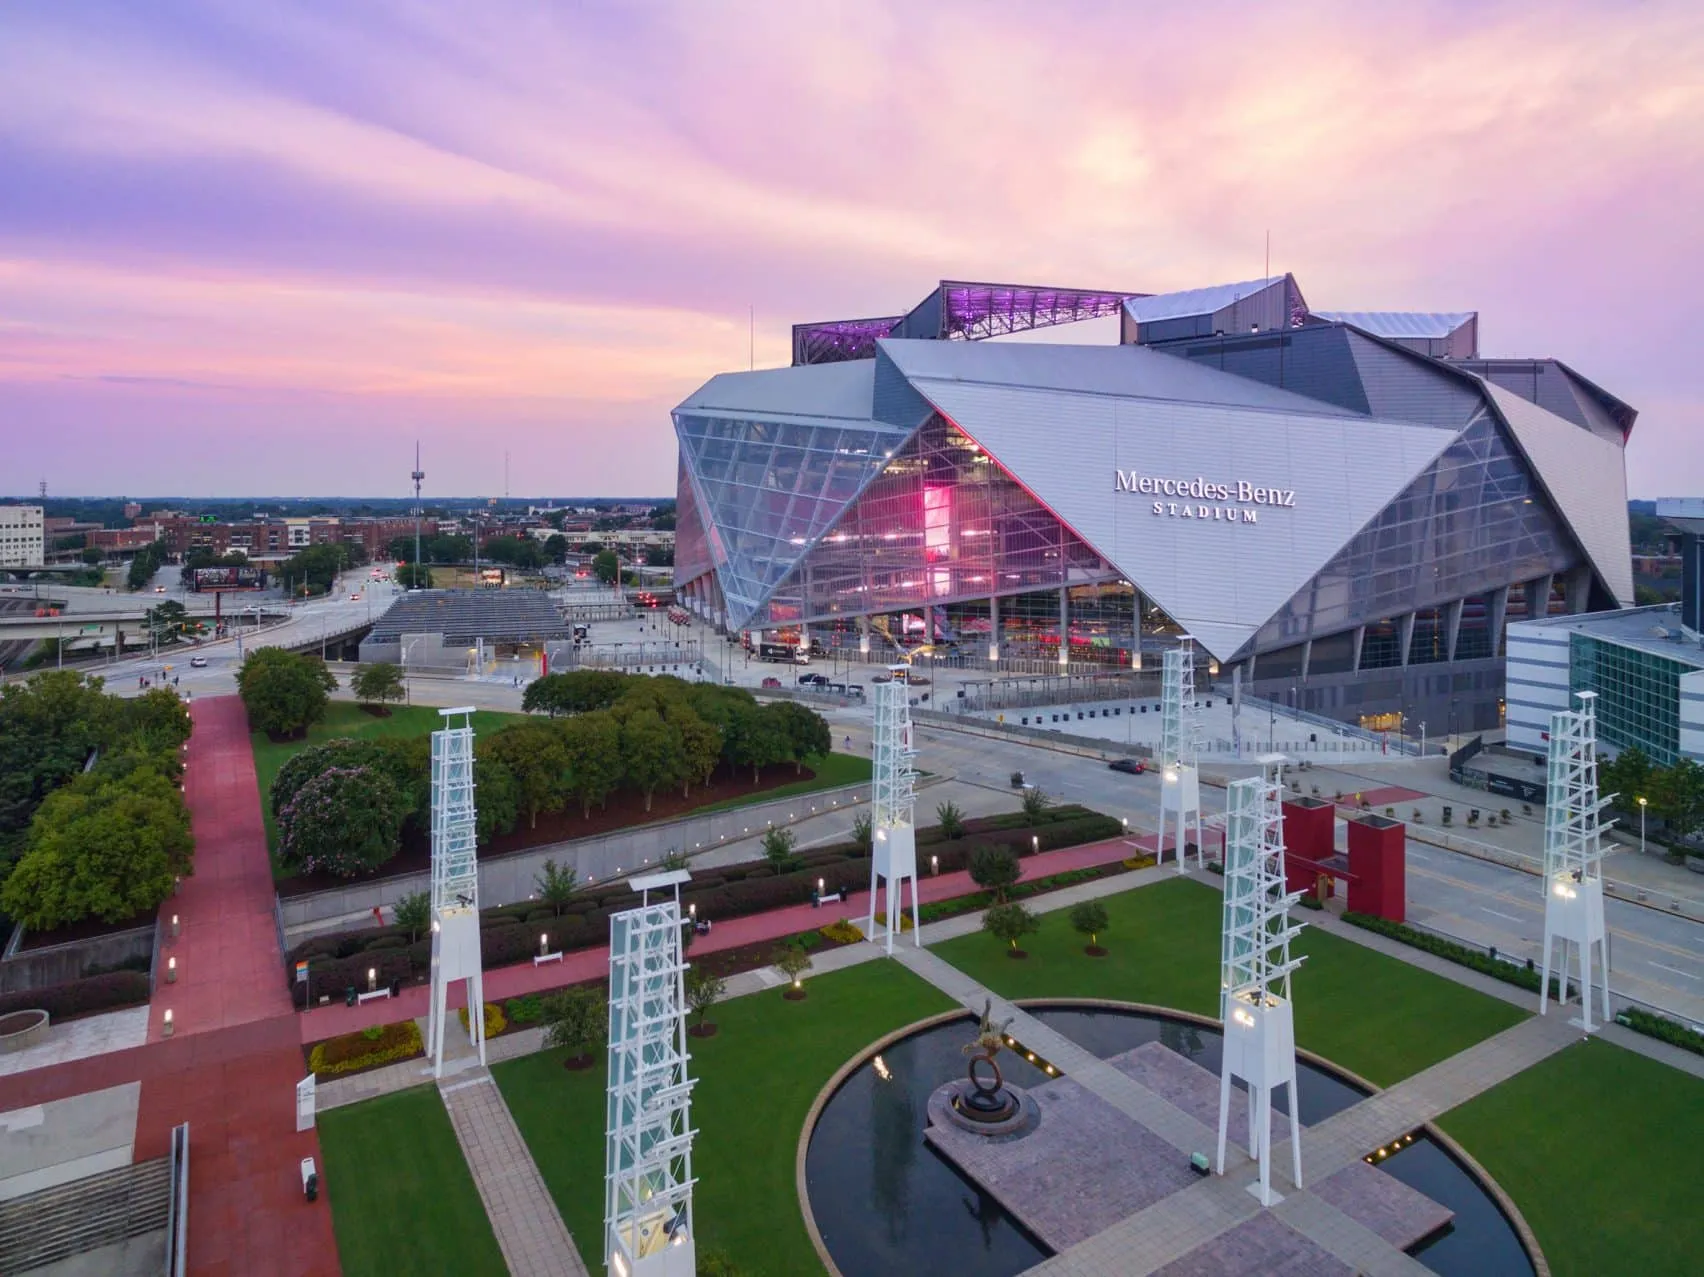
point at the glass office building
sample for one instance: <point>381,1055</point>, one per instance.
<point>1350,506</point>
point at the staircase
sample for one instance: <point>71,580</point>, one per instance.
<point>71,1219</point>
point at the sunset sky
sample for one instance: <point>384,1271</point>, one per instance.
<point>258,248</point>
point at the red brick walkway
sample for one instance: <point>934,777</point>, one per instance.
<point>231,1067</point>
<point>593,964</point>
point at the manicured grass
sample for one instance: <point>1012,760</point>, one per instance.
<point>1603,1150</point>
<point>1370,1013</point>
<point>402,1200</point>
<point>344,718</point>
<point>757,1078</point>
<point>832,770</point>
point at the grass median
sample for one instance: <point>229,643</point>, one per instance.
<point>1367,1012</point>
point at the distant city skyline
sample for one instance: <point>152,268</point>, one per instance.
<point>247,247</point>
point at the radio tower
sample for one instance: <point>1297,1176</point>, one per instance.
<point>417,476</point>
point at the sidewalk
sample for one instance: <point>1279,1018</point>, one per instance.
<point>593,964</point>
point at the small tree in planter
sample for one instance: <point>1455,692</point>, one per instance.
<point>778,849</point>
<point>863,833</point>
<point>414,913</point>
<point>950,819</point>
<point>995,869</point>
<point>792,961</point>
<point>1089,918</point>
<point>577,1020</point>
<point>1011,923</point>
<point>556,886</point>
<point>1036,803</point>
<point>703,991</point>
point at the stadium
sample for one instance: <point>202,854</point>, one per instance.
<point>1348,507</point>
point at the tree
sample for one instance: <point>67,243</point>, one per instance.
<point>703,990</point>
<point>863,832</point>
<point>1010,923</point>
<point>1678,797</point>
<point>995,869</point>
<point>701,748</point>
<point>284,693</point>
<point>414,576</point>
<point>760,741</point>
<point>317,566</point>
<point>346,821</point>
<point>792,961</point>
<point>652,752</point>
<point>1089,918</point>
<point>778,848</point>
<point>804,731</point>
<point>606,566</point>
<point>413,913</point>
<point>93,556</point>
<point>102,847</point>
<point>593,745</point>
<point>167,622</point>
<point>556,548</point>
<point>950,819</point>
<point>536,756</point>
<point>1036,803</point>
<point>157,721</point>
<point>576,1020</point>
<point>499,805</point>
<point>556,886</point>
<point>378,683</point>
<point>1629,776</point>
<point>659,556</point>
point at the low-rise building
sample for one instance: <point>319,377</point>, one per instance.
<point>22,536</point>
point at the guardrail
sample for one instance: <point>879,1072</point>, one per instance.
<point>177,1213</point>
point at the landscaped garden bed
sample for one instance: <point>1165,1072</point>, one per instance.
<point>365,1049</point>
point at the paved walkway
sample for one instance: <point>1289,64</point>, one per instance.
<point>530,1231</point>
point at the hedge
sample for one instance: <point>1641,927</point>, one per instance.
<point>1465,955</point>
<point>1662,1028</point>
<point>349,1052</point>
<point>80,997</point>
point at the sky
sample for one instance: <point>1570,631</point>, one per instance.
<point>262,248</point>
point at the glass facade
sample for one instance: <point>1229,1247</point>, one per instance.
<point>1474,521</point>
<point>1638,695</point>
<point>941,523</point>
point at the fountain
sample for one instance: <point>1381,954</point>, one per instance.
<point>974,1102</point>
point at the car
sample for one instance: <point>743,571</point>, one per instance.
<point>159,589</point>
<point>1130,766</point>
<point>198,662</point>
<point>356,597</point>
<point>813,680</point>
<point>772,682</point>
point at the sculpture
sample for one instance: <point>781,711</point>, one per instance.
<point>988,1101</point>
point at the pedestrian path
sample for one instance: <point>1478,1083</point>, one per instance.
<point>529,1229</point>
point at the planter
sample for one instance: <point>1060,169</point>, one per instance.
<point>795,995</point>
<point>1018,954</point>
<point>577,1063</point>
<point>19,1029</point>
<point>702,1031</point>
<point>1094,951</point>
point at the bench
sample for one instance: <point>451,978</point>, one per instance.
<point>539,959</point>
<point>376,993</point>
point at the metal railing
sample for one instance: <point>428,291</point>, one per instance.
<point>107,1208</point>
<point>177,1205</point>
<point>1349,731</point>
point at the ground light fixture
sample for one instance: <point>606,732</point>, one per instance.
<point>167,1026</point>
<point>171,970</point>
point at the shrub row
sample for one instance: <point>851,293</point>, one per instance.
<point>349,1052</point>
<point>1662,1028</point>
<point>79,997</point>
<point>1464,955</point>
<point>509,933</point>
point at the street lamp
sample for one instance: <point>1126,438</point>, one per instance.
<point>1642,802</point>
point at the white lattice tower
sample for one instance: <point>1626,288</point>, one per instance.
<point>1573,855</point>
<point>1180,782</point>
<point>893,839</point>
<point>455,884</point>
<point>1255,969</point>
<point>648,1225</point>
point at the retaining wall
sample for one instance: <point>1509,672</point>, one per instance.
<point>57,964</point>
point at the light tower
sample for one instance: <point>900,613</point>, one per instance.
<point>893,839</point>
<point>417,476</point>
<point>648,1230</point>
<point>1573,855</point>
<point>455,884</point>
<point>1255,967</point>
<point>1180,783</point>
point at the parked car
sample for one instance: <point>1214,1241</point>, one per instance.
<point>198,662</point>
<point>772,682</point>
<point>813,680</point>
<point>1130,766</point>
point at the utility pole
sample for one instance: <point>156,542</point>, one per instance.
<point>417,476</point>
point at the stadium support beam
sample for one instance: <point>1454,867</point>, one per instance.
<point>1573,856</point>
<point>1254,971</point>
<point>455,885</point>
<point>893,836</point>
<point>1180,781</point>
<point>648,1217</point>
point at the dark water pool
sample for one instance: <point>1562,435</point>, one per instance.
<point>887,1204</point>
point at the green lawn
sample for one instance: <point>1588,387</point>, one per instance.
<point>402,1200</point>
<point>1375,1015</point>
<point>832,771</point>
<point>757,1078</point>
<point>1603,1150</point>
<point>344,718</point>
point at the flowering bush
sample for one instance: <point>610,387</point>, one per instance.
<point>352,1052</point>
<point>345,821</point>
<point>494,1021</point>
